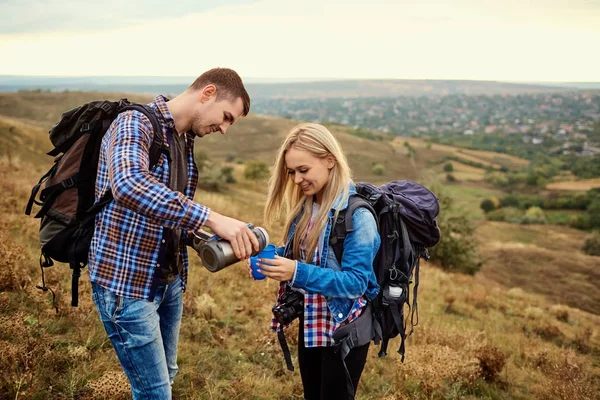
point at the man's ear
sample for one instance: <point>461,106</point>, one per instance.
<point>208,92</point>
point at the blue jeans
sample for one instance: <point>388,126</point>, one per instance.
<point>144,335</point>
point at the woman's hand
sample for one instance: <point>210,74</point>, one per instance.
<point>279,268</point>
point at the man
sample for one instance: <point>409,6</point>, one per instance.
<point>138,260</point>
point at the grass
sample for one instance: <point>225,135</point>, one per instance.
<point>543,259</point>
<point>516,330</point>
<point>468,197</point>
<point>486,158</point>
<point>575,186</point>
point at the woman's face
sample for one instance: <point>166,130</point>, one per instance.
<point>309,172</point>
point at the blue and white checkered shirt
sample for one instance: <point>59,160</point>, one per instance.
<point>128,243</point>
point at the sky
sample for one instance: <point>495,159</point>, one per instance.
<point>506,40</point>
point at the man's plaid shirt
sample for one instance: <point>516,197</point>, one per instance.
<point>128,242</point>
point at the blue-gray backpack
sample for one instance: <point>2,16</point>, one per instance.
<point>65,193</point>
<point>406,215</point>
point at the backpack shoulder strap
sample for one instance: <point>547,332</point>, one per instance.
<point>158,145</point>
<point>343,224</point>
<point>157,148</point>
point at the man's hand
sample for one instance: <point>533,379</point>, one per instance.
<point>242,239</point>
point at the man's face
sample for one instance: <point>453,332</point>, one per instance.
<point>214,115</point>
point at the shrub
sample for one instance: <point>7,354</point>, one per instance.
<point>487,205</point>
<point>512,200</point>
<point>579,221</point>
<point>591,246</point>
<point>491,362</point>
<point>495,201</point>
<point>378,169</point>
<point>593,212</point>
<point>450,178</point>
<point>256,170</point>
<point>534,215</point>
<point>227,175</point>
<point>496,179</point>
<point>508,214</point>
<point>448,167</point>
<point>457,249</point>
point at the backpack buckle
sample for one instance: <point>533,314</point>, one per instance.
<point>68,183</point>
<point>105,107</point>
<point>84,128</point>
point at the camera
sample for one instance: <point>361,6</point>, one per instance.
<point>291,307</point>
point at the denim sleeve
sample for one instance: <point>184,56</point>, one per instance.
<point>280,251</point>
<point>360,249</point>
<point>135,188</point>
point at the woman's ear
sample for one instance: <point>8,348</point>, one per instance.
<point>330,161</point>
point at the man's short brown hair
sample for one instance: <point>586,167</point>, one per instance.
<point>228,84</point>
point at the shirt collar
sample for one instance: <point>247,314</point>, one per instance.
<point>162,111</point>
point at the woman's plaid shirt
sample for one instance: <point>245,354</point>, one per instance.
<point>128,238</point>
<point>319,324</point>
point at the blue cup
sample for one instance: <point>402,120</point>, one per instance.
<point>267,253</point>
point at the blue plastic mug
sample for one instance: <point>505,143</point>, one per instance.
<point>268,253</point>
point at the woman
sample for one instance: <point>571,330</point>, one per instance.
<point>311,182</point>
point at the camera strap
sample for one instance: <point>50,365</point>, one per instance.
<point>285,348</point>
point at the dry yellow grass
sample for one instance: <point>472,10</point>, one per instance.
<point>476,338</point>
<point>544,259</point>
<point>472,333</point>
<point>460,167</point>
<point>485,158</point>
<point>490,156</point>
<point>575,186</point>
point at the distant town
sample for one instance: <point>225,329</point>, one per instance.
<point>524,124</point>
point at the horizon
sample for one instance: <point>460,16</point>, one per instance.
<point>258,80</point>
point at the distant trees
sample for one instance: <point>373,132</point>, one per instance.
<point>585,167</point>
<point>543,168</point>
<point>457,250</point>
<point>487,205</point>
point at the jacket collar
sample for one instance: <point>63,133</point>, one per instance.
<point>341,203</point>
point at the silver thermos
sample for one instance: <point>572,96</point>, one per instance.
<point>216,253</point>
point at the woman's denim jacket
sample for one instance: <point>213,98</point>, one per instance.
<point>341,285</point>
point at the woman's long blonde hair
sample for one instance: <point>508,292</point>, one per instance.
<point>286,196</point>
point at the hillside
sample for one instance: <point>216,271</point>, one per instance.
<point>475,338</point>
<point>524,327</point>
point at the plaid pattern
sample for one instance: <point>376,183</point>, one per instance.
<point>319,324</point>
<point>128,242</point>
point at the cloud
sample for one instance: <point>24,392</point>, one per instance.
<point>37,16</point>
<point>465,39</point>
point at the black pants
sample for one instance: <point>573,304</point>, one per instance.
<point>322,371</point>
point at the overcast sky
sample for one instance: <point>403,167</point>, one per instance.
<point>509,40</point>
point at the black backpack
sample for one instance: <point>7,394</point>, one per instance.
<point>66,191</point>
<point>406,215</point>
